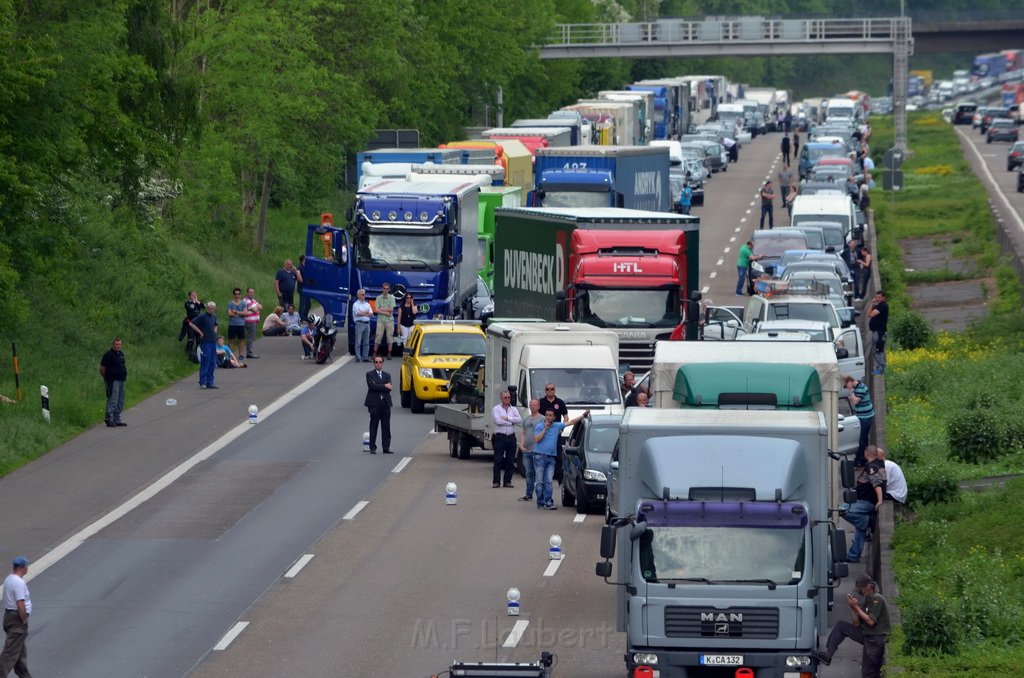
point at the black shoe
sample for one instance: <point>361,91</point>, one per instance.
<point>254,357</point>
<point>212,386</point>
<point>120,423</point>
<point>822,657</point>
<point>110,424</point>
<point>388,452</point>
<point>373,450</point>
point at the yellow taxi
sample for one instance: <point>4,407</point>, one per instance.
<point>433,351</point>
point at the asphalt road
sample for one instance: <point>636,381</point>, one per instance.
<point>283,549</point>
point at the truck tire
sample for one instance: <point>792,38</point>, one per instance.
<point>453,443</point>
<point>465,446</point>
<point>567,499</point>
<point>415,404</point>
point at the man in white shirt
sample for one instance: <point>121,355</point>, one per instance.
<point>506,417</point>
<point>17,608</point>
<point>896,482</point>
<point>361,314</point>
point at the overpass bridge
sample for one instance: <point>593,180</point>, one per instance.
<point>764,36</point>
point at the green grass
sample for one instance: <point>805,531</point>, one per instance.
<point>959,562</point>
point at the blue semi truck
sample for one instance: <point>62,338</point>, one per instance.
<point>634,177</point>
<point>418,236</point>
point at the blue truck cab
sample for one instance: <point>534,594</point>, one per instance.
<point>421,238</point>
<point>634,177</point>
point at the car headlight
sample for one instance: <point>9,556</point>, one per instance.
<point>797,662</point>
<point>591,474</point>
<point>648,658</point>
<point>426,372</point>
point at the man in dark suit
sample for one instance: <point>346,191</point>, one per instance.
<point>378,402</point>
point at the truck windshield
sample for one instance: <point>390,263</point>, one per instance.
<point>422,250</point>
<point>631,308</point>
<point>576,199</point>
<point>722,554</point>
<point>577,386</point>
<point>823,312</point>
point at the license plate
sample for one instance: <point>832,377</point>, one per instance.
<point>721,659</point>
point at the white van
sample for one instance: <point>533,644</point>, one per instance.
<point>825,207</point>
<point>841,107</point>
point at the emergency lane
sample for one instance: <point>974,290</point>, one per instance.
<point>152,592</point>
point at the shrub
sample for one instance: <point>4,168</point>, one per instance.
<point>975,435</point>
<point>910,330</point>
<point>931,484</point>
<point>929,629</point>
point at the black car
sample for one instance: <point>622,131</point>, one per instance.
<point>585,459</point>
<point>1015,156</point>
<point>466,385</point>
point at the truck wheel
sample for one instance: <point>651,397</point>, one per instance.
<point>453,443</point>
<point>415,404</point>
<point>465,446</point>
<point>567,499</point>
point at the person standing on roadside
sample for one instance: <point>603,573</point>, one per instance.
<point>864,259</point>
<point>546,435</point>
<point>785,179</point>
<point>304,301</point>
<point>17,610</point>
<point>527,447</point>
<point>238,308</point>
<point>767,196</point>
<point>252,322</point>
<point>878,323</point>
<point>361,314</point>
<point>870,627</point>
<point>378,402</point>
<point>685,196</point>
<point>193,307</point>
<point>860,399</point>
<point>746,256</point>
<point>205,327</point>
<point>784,147</point>
<point>385,304</point>
<point>114,373</point>
<point>285,282</point>
<point>506,417</point>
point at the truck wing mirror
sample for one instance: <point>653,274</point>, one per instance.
<point>838,545</point>
<point>847,473</point>
<point>349,215</point>
<point>608,541</point>
<point>850,496</point>
<point>603,569</point>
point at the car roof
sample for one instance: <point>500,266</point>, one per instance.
<point>453,326</point>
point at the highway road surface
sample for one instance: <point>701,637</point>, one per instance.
<point>193,543</point>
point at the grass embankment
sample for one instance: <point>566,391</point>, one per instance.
<point>131,282</point>
<point>954,404</point>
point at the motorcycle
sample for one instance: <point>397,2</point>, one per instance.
<point>324,335</point>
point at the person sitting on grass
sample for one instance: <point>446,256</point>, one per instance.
<point>273,325</point>
<point>225,357</point>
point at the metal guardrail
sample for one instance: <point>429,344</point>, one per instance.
<point>726,30</point>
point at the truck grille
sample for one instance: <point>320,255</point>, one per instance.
<point>637,353</point>
<point>733,622</point>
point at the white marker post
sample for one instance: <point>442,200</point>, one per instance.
<point>254,414</point>
<point>44,394</point>
<point>513,602</point>
<point>555,549</point>
<point>451,494</point>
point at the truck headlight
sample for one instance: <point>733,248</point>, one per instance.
<point>426,372</point>
<point>591,474</point>
<point>797,662</point>
<point>648,658</point>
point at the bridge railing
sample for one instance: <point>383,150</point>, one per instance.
<point>739,29</point>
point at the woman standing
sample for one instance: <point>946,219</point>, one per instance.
<point>406,317</point>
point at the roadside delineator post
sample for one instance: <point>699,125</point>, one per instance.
<point>254,414</point>
<point>44,395</point>
<point>451,494</point>
<point>555,547</point>
<point>366,441</point>
<point>513,602</point>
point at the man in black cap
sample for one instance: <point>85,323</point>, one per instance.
<point>17,608</point>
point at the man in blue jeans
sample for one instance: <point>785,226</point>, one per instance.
<point>528,445</point>
<point>545,435</point>
<point>860,399</point>
<point>870,493</point>
<point>746,256</point>
<point>205,327</point>
<point>361,314</point>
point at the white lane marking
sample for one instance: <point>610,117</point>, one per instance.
<point>553,566</point>
<point>355,510</point>
<point>299,564</point>
<point>738,228</point>
<point>743,220</point>
<point>580,517</point>
<point>732,239</point>
<point>230,636</point>
<point>1006,201</point>
<point>726,250</point>
<point>713,275</point>
<point>62,550</point>
<point>705,289</point>
<point>719,262</point>
<point>401,465</point>
<point>516,634</point>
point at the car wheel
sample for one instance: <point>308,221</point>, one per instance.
<point>415,404</point>
<point>453,443</point>
<point>465,446</point>
<point>582,505</point>
<point>567,499</point>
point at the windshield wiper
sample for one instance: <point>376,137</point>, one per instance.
<point>419,262</point>
<point>704,580</point>
<point>770,582</point>
<point>380,263</point>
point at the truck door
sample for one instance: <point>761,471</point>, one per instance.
<point>853,364</point>
<point>327,273</point>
